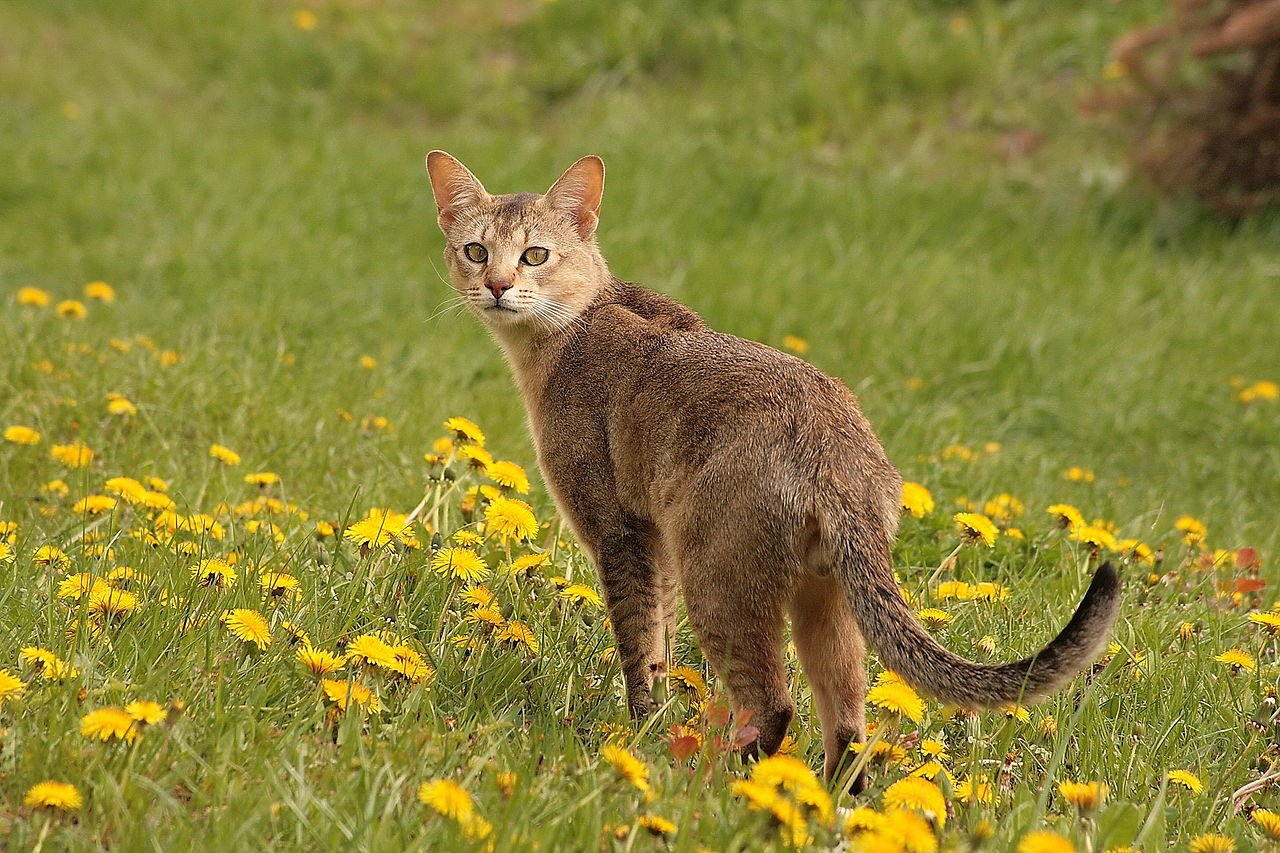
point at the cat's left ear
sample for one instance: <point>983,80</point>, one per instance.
<point>454,186</point>
<point>578,193</point>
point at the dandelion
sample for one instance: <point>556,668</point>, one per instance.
<point>71,309</point>
<point>580,593</point>
<point>214,573</point>
<point>916,500</point>
<point>319,662</point>
<point>248,626</point>
<point>518,634</point>
<point>916,794</point>
<point>459,563</point>
<point>467,538</point>
<point>51,556</point>
<point>933,618</point>
<point>146,712</point>
<point>342,693</point>
<point>100,291</point>
<point>107,723</point>
<point>1211,842</point>
<point>18,434</point>
<point>1187,780</point>
<point>510,519</point>
<point>475,456</point>
<point>1076,474</point>
<point>262,479</point>
<point>279,585</point>
<point>1097,538</point>
<point>975,528</point>
<point>1066,516</point>
<point>108,602</point>
<point>784,771</point>
<point>897,698</point>
<point>629,768</point>
<point>33,297</point>
<point>797,345</point>
<point>690,679</point>
<point>975,789</point>
<point>528,563</point>
<point>1086,796</point>
<point>1267,821</point>
<point>11,687</point>
<point>509,475</point>
<point>59,796</point>
<point>120,405</point>
<point>371,650</point>
<point>94,505</point>
<point>225,455</point>
<point>382,527</point>
<point>73,455</point>
<point>1193,530</point>
<point>487,616</point>
<point>1049,727</point>
<point>1044,841</point>
<point>448,798</point>
<point>465,430</point>
<point>1238,659</point>
<point>1270,621</point>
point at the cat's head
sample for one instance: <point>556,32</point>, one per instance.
<point>522,261</point>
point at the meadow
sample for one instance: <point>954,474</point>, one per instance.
<point>276,565</point>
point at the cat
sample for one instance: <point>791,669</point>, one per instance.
<point>682,457</point>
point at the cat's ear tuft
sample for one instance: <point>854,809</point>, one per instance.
<point>454,186</point>
<point>578,193</point>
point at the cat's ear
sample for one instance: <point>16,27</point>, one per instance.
<point>578,193</point>
<point>454,186</point>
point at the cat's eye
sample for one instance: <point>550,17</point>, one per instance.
<point>534,255</point>
<point>476,252</point>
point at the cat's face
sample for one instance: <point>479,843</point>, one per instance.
<point>521,261</point>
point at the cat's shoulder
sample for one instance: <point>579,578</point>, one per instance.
<point>630,303</point>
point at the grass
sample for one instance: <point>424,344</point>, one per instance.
<point>254,193</point>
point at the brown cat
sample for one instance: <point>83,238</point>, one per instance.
<point>682,456</point>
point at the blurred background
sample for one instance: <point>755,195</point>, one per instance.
<point>944,203</point>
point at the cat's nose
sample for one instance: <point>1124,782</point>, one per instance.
<point>497,288</point>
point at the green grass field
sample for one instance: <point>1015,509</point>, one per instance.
<point>908,187</point>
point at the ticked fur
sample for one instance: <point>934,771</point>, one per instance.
<point>685,458</point>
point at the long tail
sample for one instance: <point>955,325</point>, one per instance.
<point>866,572</point>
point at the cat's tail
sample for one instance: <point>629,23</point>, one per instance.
<point>862,562</point>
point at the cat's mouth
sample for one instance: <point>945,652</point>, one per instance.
<point>498,306</point>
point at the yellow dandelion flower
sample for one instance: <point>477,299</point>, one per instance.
<point>486,615</point>
<point>262,479</point>
<point>33,297</point>
<point>510,519</point>
<point>1267,821</point>
<point>954,589</point>
<point>506,782</point>
<point>319,662</point>
<point>988,591</point>
<point>225,455</point>
<point>897,698</point>
<point>18,434</point>
<point>976,528</point>
<point>975,789</point>
<point>528,563</point>
<point>577,592</point>
<point>146,712</point>
<point>1095,537</point>
<point>459,563</point>
<point>797,345</point>
<point>94,505</point>
<point>1193,530</point>
<point>629,768</point>
<point>342,693</point>
<point>1066,516</point>
<point>917,794</point>
<point>934,618</point>
<point>475,456</point>
<point>411,665</point>
<point>368,362</point>
<point>655,825</point>
<point>1049,727</point>
<point>467,538</point>
<point>214,573</point>
<point>6,552</point>
<point>509,475</point>
<point>248,626</point>
<point>53,795</point>
<point>1045,841</point>
<point>51,556</point>
<point>279,585</point>
<point>1076,474</point>
<point>1004,508</point>
<point>11,687</point>
<point>1016,712</point>
<point>73,455</point>
<point>71,309</point>
<point>1269,620</point>
<point>690,679</point>
<point>916,500</point>
<point>382,527</point>
<point>371,650</point>
<point>1238,659</point>
<point>465,430</point>
<point>448,798</point>
<point>1086,796</point>
<point>1211,842</point>
<point>518,634</point>
<point>480,596</point>
<point>1187,780</point>
<point>120,405</point>
<point>107,723</point>
<point>759,795</point>
<point>784,771</point>
<point>109,602</point>
<point>100,291</point>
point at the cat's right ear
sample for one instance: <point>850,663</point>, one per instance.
<point>454,186</point>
